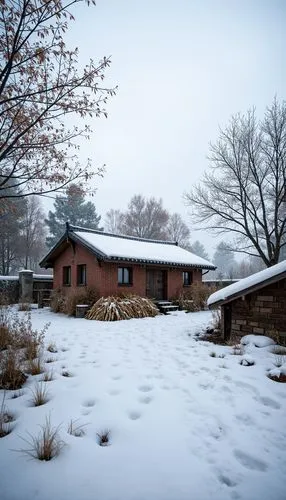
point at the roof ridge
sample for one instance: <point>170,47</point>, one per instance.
<point>73,228</point>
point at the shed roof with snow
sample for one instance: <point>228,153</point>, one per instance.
<point>249,284</point>
<point>111,247</point>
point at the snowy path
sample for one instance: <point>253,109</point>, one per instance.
<point>184,425</point>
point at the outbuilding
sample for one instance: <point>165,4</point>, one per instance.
<point>256,304</point>
<point>116,264</point>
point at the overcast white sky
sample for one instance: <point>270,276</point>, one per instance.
<point>183,68</point>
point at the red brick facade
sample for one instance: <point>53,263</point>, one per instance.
<point>103,275</point>
<point>261,312</point>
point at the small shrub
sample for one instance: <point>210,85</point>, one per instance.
<point>39,395</point>
<point>35,366</point>
<point>75,429</point>
<point>66,302</point>
<point>213,354</point>
<point>103,438</point>
<point>194,298</point>
<point>11,374</point>
<point>5,337</point>
<point>46,446</point>
<point>57,300</point>
<point>66,373</point>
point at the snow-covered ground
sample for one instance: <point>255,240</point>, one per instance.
<point>184,425</point>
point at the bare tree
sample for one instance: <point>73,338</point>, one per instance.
<point>33,234</point>
<point>114,221</point>
<point>145,218</point>
<point>248,266</point>
<point>178,231</point>
<point>41,89</point>
<point>11,213</point>
<point>245,193</point>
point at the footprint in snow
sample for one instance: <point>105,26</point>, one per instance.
<point>227,480</point>
<point>114,392</point>
<point>134,415</point>
<point>245,419</point>
<point>145,388</point>
<point>89,403</point>
<point>247,387</point>
<point>269,402</point>
<point>85,412</point>
<point>116,377</point>
<point>145,400</point>
<point>250,462</point>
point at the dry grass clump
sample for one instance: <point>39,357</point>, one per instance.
<point>39,395</point>
<point>57,300</point>
<point>35,366</point>
<point>21,346</point>
<point>66,303</point>
<point>103,438</point>
<point>119,308</point>
<point>76,429</point>
<point>5,419</point>
<point>12,376</point>
<point>48,376</point>
<point>46,446</point>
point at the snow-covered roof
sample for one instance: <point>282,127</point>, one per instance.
<point>112,247</point>
<point>116,247</point>
<point>247,285</point>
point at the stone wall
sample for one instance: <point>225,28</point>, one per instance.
<point>24,287</point>
<point>262,312</point>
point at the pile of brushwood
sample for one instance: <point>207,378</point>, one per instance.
<point>118,308</point>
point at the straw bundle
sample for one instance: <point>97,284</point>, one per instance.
<point>118,308</point>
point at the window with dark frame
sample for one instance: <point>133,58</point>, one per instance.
<point>67,276</point>
<point>187,278</point>
<point>81,275</point>
<point>124,276</point>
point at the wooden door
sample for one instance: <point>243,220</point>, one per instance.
<point>227,321</point>
<point>156,284</point>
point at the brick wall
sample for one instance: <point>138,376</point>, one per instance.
<point>103,275</point>
<point>262,312</point>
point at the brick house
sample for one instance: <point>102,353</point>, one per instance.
<point>256,304</point>
<point>115,264</point>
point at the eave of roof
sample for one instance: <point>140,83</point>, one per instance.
<point>247,291</point>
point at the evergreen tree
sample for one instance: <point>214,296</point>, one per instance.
<point>198,249</point>
<point>74,209</point>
